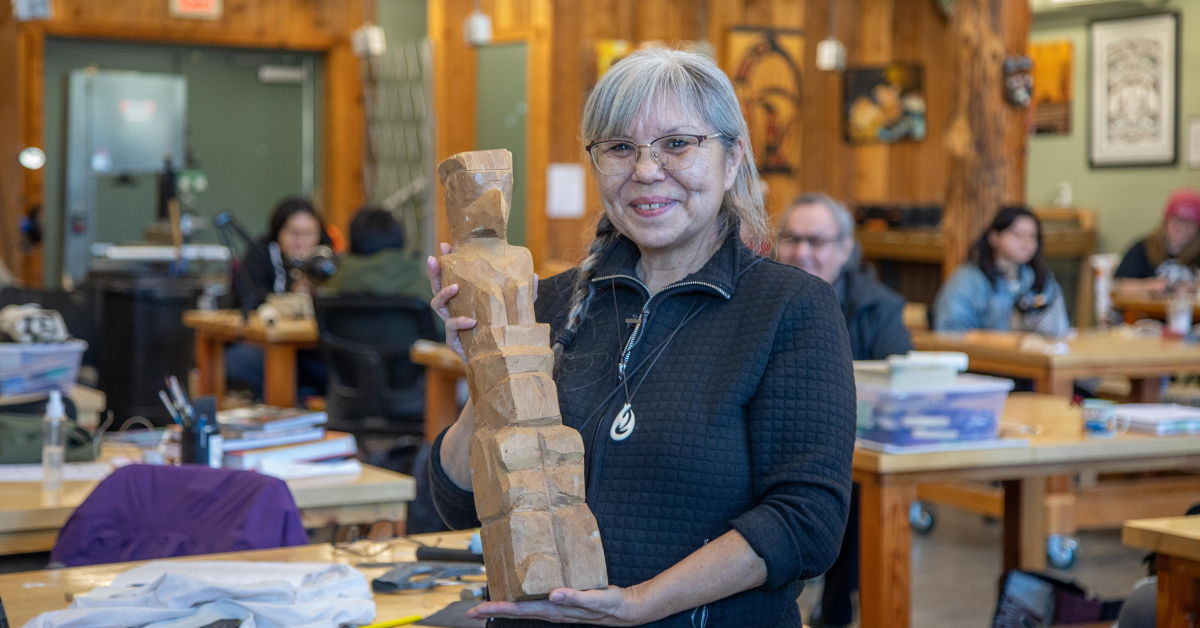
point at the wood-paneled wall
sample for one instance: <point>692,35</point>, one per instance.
<point>875,33</point>
<point>315,25</point>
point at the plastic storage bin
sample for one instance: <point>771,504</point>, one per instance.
<point>27,368</point>
<point>970,410</point>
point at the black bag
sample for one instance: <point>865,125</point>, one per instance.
<point>21,434</point>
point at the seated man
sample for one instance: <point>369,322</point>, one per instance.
<point>816,235</point>
<point>377,263</point>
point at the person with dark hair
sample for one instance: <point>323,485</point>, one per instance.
<point>1005,285</point>
<point>377,263</point>
<point>294,230</point>
<point>1170,255</point>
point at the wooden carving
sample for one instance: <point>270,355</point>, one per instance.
<point>526,466</point>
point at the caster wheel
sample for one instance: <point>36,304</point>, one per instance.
<point>921,519</point>
<point>1061,551</point>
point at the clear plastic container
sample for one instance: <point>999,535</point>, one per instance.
<point>969,410</point>
<point>26,368</point>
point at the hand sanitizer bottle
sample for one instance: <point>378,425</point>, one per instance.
<point>52,444</point>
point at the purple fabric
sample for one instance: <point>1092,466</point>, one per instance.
<point>141,512</point>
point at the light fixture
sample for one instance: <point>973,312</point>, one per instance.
<point>32,158</point>
<point>831,54</point>
<point>477,29</point>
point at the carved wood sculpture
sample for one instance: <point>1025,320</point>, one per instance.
<point>526,466</point>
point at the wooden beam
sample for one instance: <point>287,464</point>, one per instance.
<point>11,95</point>
<point>985,140</point>
<point>345,134</point>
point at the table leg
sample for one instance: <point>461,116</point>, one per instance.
<point>279,374</point>
<point>1025,524</point>
<point>1060,505</point>
<point>441,406</point>
<point>885,573</point>
<point>210,362</point>
<point>1178,593</point>
<point>1145,390</point>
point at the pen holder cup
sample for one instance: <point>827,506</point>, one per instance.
<point>195,446</point>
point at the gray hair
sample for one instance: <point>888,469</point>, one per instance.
<point>841,215</point>
<point>703,93</point>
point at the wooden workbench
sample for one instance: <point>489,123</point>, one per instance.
<point>30,523</point>
<point>30,593</point>
<point>1095,353</point>
<point>443,368</point>
<point>889,486</point>
<point>1176,540</point>
<point>216,328</point>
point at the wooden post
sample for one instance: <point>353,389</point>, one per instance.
<point>526,466</point>
<point>986,138</point>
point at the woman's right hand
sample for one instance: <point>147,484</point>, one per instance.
<point>441,296</point>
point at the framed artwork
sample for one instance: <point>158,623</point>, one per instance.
<point>1134,104</point>
<point>1053,86</point>
<point>885,104</point>
<point>765,66</point>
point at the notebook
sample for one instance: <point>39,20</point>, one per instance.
<point>1161,419</point>
<point>269,418</point>
<point>240,441</point>
<point>334,445</point>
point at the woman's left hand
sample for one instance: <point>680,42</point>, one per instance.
<point>613,606</point>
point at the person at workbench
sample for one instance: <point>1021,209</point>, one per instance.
<point>294,230</point>
<point>721,480</point>
<point>1169,256</point>
<point>1005,285</point>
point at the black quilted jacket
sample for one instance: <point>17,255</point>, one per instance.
<point>744,420</point>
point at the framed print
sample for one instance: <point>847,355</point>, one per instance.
<point>1053,86</point>
<point>1134,91</point>
<point>884,105</point>
<point>765,67</point>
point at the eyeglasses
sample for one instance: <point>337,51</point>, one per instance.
<point>672,152</point>
<point>815,243</point>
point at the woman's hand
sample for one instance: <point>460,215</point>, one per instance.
<point>613,606</point>
<point>441,296</point>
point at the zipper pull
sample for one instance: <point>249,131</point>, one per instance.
<point>633,322</point>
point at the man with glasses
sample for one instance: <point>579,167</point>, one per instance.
<point>816,235</point>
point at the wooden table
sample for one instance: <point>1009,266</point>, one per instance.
<point>443,368</point>
<point>1139,306</point>
<point>889,486</point>
<point>279,342</point>
<point>30,523</point>
<point>1095,353</point>
<point>30,593</point>
<point>1176,540</point>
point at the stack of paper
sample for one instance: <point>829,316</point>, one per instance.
<point>1161,419</point>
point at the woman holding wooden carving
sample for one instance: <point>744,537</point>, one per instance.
<point>712,386</point>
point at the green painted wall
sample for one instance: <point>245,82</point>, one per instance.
<point>402,20</point>
<point>1128,201</point>
<point>500,117</point>
<point>244,134</point>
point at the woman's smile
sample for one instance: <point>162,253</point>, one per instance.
<point>651,206</point>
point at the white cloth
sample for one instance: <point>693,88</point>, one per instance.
<point>186,594</point>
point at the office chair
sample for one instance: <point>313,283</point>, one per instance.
<point>373,386</point>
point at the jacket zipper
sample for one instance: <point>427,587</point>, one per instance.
<point>641,320</point>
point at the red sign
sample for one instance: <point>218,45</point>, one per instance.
<point>196,9</point>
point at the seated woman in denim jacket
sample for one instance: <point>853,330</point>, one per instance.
<point>1005,285</point>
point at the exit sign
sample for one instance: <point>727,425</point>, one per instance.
<point>196,9</point>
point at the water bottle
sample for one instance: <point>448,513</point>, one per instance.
<point>52,444</point>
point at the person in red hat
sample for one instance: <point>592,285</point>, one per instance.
<point>1170,255</point>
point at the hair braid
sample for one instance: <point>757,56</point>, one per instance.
<point>581,296</point>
